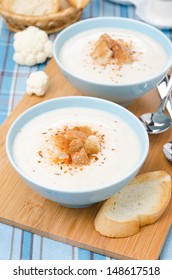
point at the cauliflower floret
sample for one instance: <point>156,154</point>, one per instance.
<point>37,83</point>
<point>32,46</point>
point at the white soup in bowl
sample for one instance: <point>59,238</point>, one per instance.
<point>86,55</point>
<point>42,158</point>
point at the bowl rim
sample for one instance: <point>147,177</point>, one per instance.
<point>118,19</point>
<point>94,99</point>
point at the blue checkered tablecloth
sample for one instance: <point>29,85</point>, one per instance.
<point>16,244</point>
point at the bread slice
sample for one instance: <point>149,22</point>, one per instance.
<point>35,7</point>
<point>64,4</point>
<point>139,203</point>
<point>80,4</point>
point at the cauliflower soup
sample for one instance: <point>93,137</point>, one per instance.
<point>104,151</point>
<point>88,56</point>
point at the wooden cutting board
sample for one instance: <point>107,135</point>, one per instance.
<point>23,208</point>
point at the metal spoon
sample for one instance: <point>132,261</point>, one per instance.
<point>167,149</point>
<point>158,122</point>
<point>161,87</point>
<point>162,90</point>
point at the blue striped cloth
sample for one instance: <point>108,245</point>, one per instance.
<point>16,244</point>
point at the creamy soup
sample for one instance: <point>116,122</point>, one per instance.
<point>150,57</point>
<point>34,152</point>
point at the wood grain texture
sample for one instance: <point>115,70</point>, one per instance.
<point>23,208</point>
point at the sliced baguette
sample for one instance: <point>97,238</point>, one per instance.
<point>140,203</point>
<point>80,4</point>
<point>64,4</point>
<point>34,7</point>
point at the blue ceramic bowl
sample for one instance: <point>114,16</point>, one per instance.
<point>85,197</point>
<point>122,94</point>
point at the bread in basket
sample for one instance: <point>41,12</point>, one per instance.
<point>50,16</point>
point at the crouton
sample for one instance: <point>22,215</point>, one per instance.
<point>62,143</point>
<point>75,146</point>
<point>80,158</point>
<point>108,50</point>
<point>102,53</point>
<point>84,129</point>
<point>72,134</point>
<point>92,145</point>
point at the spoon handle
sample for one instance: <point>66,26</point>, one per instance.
<point>167,150</point>
<point>170,105</point>
<point>165,99</point>
<point>162,89</point>
<point>168,96</point>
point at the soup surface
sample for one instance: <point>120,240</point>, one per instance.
<point>148,57</point>
<point>36,155</point>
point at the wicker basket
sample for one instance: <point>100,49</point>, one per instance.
<point>50,22</point>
